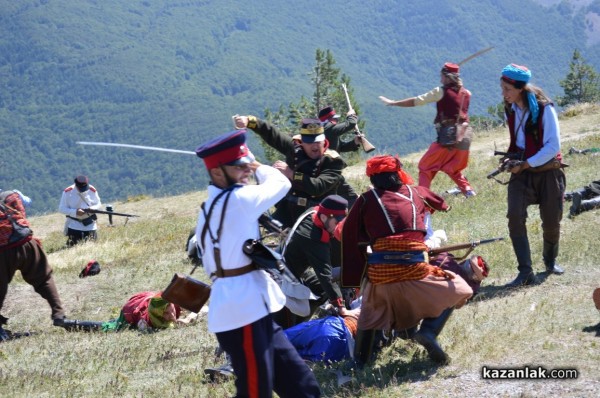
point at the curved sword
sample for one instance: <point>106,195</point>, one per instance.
<point>151,148</point>
<point>477,54</point>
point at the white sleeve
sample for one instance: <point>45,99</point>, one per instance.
<point>431,96</point>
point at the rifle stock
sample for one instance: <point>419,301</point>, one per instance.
<point>365,144</point>
<point>461,246</point>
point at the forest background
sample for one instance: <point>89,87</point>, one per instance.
<point>171,73</point>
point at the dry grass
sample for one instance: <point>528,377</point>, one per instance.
<point>548,325</point>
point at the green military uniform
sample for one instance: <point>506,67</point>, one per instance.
<point>334,131</point>
<point>313,180</point>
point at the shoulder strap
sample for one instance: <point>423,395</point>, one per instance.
<point>215,238</point>
<point>206,227</point>
<point>385,213</point>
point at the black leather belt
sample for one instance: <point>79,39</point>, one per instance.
<point>300,201</point>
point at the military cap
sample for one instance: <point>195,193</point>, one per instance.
<point>82,183</point>
<point>227,149</point>
<point>312,131</point>
<point>333,206</point>
<point>327,113</point>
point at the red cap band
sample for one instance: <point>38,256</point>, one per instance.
<point>226,156</point>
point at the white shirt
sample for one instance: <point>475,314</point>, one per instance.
<point>72,199</point>
<point>240,300</point>
<point>551,144</point>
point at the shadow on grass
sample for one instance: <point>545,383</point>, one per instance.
<point>490,292</point>
<point>403,362</point>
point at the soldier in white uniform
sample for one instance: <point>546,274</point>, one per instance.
<point>75,199</point>
<point>243,297</point>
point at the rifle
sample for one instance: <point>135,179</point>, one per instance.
<point>92,211</point>
<point>469,245</point>
<point>507,162</point>
<point>77,325</point>
<point>366,145</point>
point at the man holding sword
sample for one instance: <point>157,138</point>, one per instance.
<point>452,103</point>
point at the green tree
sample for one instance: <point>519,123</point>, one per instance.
<point>582,83</point>
<point>327,81</point>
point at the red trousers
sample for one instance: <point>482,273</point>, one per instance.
<point>450,160</point>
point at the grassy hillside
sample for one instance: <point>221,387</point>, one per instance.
<point>170,74</point>
<point>547,325</point>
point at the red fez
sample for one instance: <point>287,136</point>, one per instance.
<point>449,67</point>
<point>227,149</point>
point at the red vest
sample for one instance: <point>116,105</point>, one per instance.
<point>451,105</point>
<point>378,214</point>
<point>534,133</point>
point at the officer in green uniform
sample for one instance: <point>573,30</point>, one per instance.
<point>314,170</point>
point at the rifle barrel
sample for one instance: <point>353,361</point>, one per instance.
<point>92,211</point>
<point>461,246</point>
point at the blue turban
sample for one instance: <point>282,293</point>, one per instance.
<point>517,73</point>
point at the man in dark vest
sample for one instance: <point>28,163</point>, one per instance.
<point>448,155</point>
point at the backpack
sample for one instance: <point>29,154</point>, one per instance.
<point>14,226</point>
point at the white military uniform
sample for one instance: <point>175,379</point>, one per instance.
<point>72,199</point>
<point>241,300</point>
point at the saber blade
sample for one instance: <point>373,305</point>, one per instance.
<point>151,148</point>
<point>477,54</point>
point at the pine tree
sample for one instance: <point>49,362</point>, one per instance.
<point>327,80</point>
<point>582,83</point>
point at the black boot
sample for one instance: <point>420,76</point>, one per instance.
<point>526,275</point>
<point>575,205</point>
<point>363,346</point>
<point>549,253</point>
<point>427,336</point>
